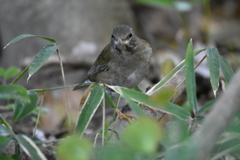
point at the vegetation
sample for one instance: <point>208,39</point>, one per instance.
<point>144,138</point>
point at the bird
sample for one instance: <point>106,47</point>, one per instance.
<point>123,62</point>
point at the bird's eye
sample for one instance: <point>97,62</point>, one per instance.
<point>113,36</point>
<point>130,36</point>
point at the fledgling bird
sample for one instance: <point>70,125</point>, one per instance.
<point>124,61</point>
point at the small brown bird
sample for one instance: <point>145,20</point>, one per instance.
<point>124,61</point>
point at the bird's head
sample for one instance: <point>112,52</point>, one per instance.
<point>122,35</point>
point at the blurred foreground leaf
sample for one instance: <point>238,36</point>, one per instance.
<point>143,136</point>
<point>74,148</point>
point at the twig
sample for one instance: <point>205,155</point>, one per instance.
<point>64,82</point>
<point>38,117</point>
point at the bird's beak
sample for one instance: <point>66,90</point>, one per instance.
<point>119,41</point>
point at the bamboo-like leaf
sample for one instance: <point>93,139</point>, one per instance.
<point>157,2</point>
<point>135,107</point>
<point>110,102</point>
<point>18,38</point>
<point>30,147</point>
<point>14,92</point>
<point>214,68</point>
<point>226,69</point>
<point>22,108</point>
<point>207,106</point>
<point>90,106</point>
<point>41,58</point>
<point>190,78</point>
<point>177,69</point>
<point>159,103</point>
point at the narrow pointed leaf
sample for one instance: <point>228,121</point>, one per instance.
<point>14,92</point>
<point>226,69</point>
<point>214,67</point>
<point>110,102</point>
<point>207,106</point>
<point>135,107</point>
<point>171,74</point>
<point>90,106</point>
<point>18,38</point>
<point>30,147</point>
<point>41,58</point>
<point>22,108</point>
<point>190,78</point>
<point>159,104</point>
<point>11,72</point>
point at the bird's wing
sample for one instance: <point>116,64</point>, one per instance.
<point>101,64</point>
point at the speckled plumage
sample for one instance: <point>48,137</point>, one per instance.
<point>124,61</point>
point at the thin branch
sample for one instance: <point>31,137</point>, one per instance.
<point>39,113</point>
<point>64,82</point>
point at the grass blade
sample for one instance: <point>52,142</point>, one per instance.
<point>190,78</point>
<point>90,106</point>
<point>169,75</point>
<point>226,69</point>
<point>214,68</point>
<point>30,147</point>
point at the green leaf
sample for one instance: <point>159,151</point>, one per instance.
<point>159,103</point>
<point>3,143</point>
<point>156,2</point>
<point>170,75</point>
<point>14,92</point>
<point>207,106</point>
<point>143,135</point>
<point>18,38</point>
<point>2,71</point>
<point>226,69</point>
<point>22,108</point>
<point>30,147</point>
<point>74,147</point>
<point>190,78</point>
<point>214,68</point>
<point>90,106</point>
<point>41,58</point>
<point>135,107</point>
<point>109,100</point>
<point>6,158</point>
<point>11,72</point>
